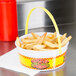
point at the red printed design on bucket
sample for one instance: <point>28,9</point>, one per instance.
<point>40,63</point>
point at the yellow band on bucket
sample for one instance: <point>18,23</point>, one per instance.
<point>42,63</point>
<point>53,20</point>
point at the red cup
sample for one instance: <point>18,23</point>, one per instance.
<point>8,20</point>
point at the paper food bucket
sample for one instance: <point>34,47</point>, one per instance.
<point>42,60</point>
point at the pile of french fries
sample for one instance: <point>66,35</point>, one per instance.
<point>42,43</point>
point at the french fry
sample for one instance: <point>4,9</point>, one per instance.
<point>27,41</point>
<point>66,40</point>
<point>38,47</point>
<point>48,39</point>
<point>52,36</point>
<point>18,42</point>
<point>29,38</point>
<point>23,46</point>
<point>35,35</point>
<point>49,35</point>
<point>40,41</point>
<point>51,45</point>
<point>61,38</point>
<point>30,46</point>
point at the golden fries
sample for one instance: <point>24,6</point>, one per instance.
<point>51,45</point>
<point>61,38</point>
<point>52,36</point>
<point>35,35</point>
<point>30,46</point>
<point>66,41</point>
<point>23,46</point>
<point>30,38</point>
<point>42,43</point>
<point>27,41</point>
<point>38,47</point>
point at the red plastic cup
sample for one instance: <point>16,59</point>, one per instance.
<point>8,20</point>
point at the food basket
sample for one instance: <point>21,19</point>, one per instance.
<point>42,60</point>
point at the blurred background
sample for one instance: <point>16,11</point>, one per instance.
<point>62,10</point>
